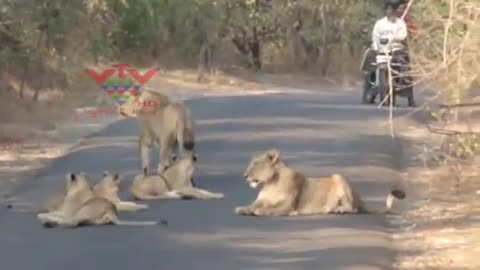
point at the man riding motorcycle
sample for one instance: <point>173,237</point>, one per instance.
<point>394,29</point>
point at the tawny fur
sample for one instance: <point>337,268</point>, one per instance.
<point>166,124</point>
<point>109,187</point>
<point>82,207</point>
<point>54,202</point>
<point>287,192</point>
<point>175,183</point>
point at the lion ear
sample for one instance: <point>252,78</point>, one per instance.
<point>116,177</point>
<point>71,177</point>
<point>273,155</point>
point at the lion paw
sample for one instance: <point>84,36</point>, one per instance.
<point>265,212</point>
<point>259,212</point>
<point>294,213</point>
<point>242,211</point>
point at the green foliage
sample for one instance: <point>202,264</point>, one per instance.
<point>456,149</point>
<point>154,25</point>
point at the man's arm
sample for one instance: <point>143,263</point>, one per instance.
<point>375,36</point>
<point>401,32</point>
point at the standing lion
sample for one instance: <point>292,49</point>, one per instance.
<point>162,123</point>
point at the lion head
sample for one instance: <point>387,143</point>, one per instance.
<point>186,165</point>
<point>262,168</point>
<point>78,182</point>
<point>111,182</point>
<point>129,108</point>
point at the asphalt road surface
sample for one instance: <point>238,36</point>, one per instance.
<point>316,133</point>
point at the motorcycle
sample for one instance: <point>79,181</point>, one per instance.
<point>376,82</point>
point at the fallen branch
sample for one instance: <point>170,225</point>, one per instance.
<point>452,132</point>
<point>459,105</point>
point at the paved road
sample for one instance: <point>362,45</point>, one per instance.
<point>338,136</point>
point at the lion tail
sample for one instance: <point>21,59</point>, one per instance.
<point>130,206</point>
<point>188,139</point>
<point>185,134</point>
<point>115,220</point>
<point>393,195</point>
<point>136,223</point>
<point>197,193</point>
<point>163,196</point>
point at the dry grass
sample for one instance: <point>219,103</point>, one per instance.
<point>445,50</point>
<point>443,231</point>
<point>440,228</point>
<point>23,118</point>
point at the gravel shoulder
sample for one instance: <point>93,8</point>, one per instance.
<point>440,228</point>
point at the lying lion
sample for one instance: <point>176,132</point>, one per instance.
<point>82,207</point>
<point>107,188</point>
<point>175,183</point>
<point>287,192</point>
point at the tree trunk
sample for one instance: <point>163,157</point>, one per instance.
<point>255,50</point>
<point>204,65</point>
<point>255,44</point>
<point>36,94</point>
<point>22,83</point>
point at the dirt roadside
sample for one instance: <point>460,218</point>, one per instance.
<point>440,229</point>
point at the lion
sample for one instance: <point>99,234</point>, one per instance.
<point>176,182</point>
<point>163,123</point>
<point>107,188</point>
<point>82,207</point>
<point>152,187</point>
<point>287,192</point>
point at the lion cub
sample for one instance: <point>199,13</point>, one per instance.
<point>82,207</point>
<point>175,183</point>
<point>107,188</point>
<point>287,192</point>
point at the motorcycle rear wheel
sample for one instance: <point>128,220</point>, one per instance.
<point>383,86</point>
